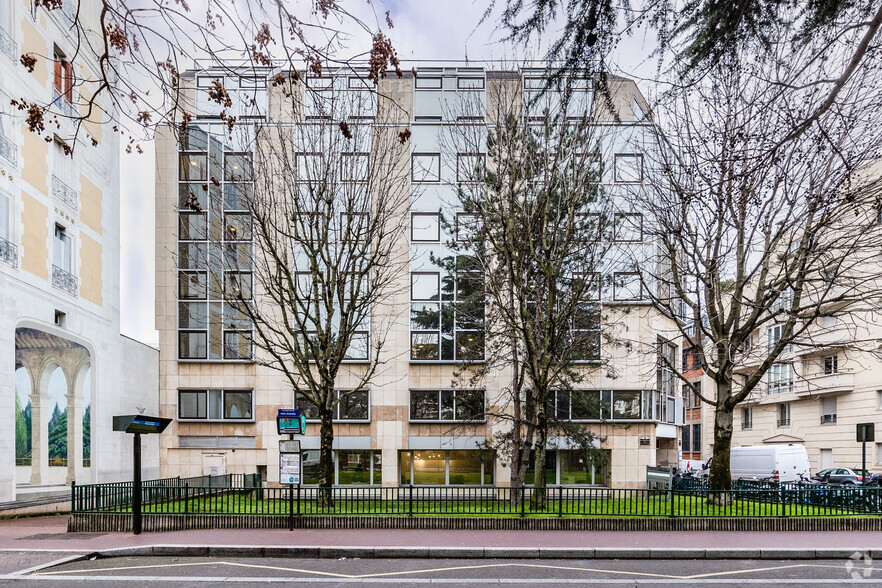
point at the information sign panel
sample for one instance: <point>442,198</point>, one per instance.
<point>289,421</point>
<point>289,468</point>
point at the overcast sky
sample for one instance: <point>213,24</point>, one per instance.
<point>424,30</point>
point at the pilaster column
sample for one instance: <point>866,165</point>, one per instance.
<point>39,436</point>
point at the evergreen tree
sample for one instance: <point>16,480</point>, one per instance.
<point>58,434</point>
<point>87,433</point>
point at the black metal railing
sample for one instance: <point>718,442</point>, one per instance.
<point>117,496</point>
<point>246,496</point>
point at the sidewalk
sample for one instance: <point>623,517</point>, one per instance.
<point>49,534</point>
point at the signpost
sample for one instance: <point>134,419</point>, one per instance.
<point>137,425</point>
<point>865,432</point>
<point>290,422</point>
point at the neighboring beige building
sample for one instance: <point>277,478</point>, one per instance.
<point>822,385</point>
<point>815,395</point>
<point>63,359</point>
<point>223,405</point>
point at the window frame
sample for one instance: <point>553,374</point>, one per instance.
<point>337,418</point>
<point>637,157</point>
<point>440,392</point>
<point>435,164</point>
<point>437,218</point>
<point>783,414</point>
<point>616,287</point>
<point>207,397</point>
<point>622,217</point>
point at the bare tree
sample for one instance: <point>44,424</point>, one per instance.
<point>529,223</point>
<point>140,48</point>
<point>756,232</point>
<point>329,216</point>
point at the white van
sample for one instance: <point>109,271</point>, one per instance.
<point>778,463</point>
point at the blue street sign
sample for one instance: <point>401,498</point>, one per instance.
<point>289,421</point>
<point>289,412</point>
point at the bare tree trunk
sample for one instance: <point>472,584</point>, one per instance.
<point>720,476</point>
<point>537,499</point>
<point>326,458</point>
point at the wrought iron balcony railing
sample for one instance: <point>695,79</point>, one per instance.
<point>8,252</point>
<point>64,280</point>
<point>64,193</point>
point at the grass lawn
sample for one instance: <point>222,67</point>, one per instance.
<point>636,503</point>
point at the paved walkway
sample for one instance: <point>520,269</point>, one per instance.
<point>50,533</point>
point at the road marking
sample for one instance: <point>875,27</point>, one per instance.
<point>480,581</point>
<point>447,569</point>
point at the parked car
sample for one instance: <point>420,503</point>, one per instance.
<point>843,476</point>
<point>775,463</point>
<point>874,480</point>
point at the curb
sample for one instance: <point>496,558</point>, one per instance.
<point>367,552</point>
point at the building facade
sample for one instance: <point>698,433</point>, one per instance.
<point>408,426</point>
<point>66,370</point>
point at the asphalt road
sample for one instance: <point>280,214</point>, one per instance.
<point>197,571</point>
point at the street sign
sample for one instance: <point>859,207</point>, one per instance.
<point>289,421</point>
<point>289,468</point>
<point>138,423</point>
<point>866,432</point>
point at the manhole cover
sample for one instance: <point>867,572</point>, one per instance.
<point>62,536</point>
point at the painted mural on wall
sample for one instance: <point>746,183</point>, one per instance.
<point>22,418</point>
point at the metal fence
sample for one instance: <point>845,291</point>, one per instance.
<point>247,497</point>
<point>117,496</point>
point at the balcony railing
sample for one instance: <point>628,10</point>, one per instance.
<point>69,10</point>
<point>64,193</point>
<point>7,45</point>
<point>8,252</point>
<point>825,384</point>
<point>66,105</point>
<point>64,280</point>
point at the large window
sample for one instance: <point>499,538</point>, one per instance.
<point>442,468</point>
<point>351,407</point>
<point>628,168</point>
<point>62,255</point>
<point>828,410</point>
<point>780,378</point>
<point>351,467</point>
<point>747,417</point>
<point>687,439</point>
<point>627,286</point>
<point>426,167</point>
<point>572,467</point>
<point>425,227</point>
<point>593,405</point>
<point>628,228</point>
<point>216,405</point>
<point>215,184</point>
<point>784,414</point>
<point>447,405</point>
<point>447,314</point>
<point>586,330</point>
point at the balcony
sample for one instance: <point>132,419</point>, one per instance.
<point>824,384</point>
<point>8,252</point>
<point>7,45</point>
<point>66,105</point>
<point>64,193</point>
<point>64,280</point>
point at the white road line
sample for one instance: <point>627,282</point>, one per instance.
<point>386,580</point>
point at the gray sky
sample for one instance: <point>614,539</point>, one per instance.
<point>424,30</point>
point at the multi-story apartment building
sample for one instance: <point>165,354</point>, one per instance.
<point>405,427</point>
<point>697,434</point>
<point>817,393</point>
<point>65,369</point>
<point>819,389</point>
